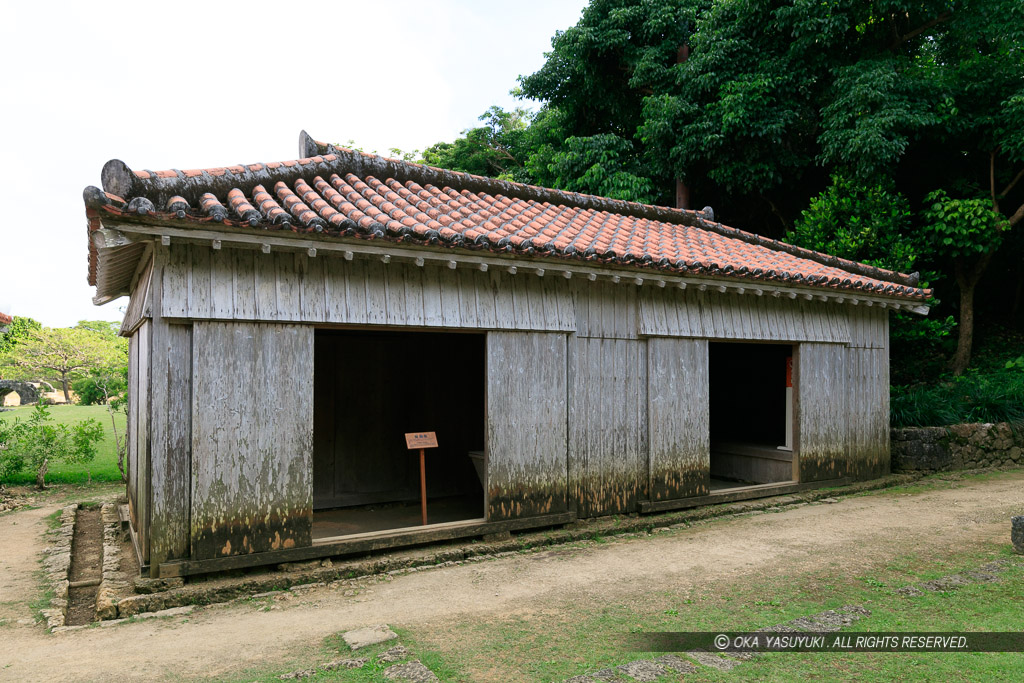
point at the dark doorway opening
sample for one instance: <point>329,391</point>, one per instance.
<point>750,410</point>
<point>370,389</point>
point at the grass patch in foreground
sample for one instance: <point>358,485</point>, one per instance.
<point>333,648</point>
<point>571,639</point>
<point>102,468</point>
<point>585,638</point>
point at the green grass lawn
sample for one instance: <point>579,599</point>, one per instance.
<point>103,468</point>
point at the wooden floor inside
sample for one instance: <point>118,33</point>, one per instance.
<point>369,518</point>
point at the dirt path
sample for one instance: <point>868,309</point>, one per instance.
<point>856,533</point>
<point>21,540</point>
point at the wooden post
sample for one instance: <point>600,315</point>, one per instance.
<point>423,484</point>
<point>422,441</point>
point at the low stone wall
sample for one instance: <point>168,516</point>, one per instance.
<point>958,447</point>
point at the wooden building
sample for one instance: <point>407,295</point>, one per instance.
<point>576,356</point>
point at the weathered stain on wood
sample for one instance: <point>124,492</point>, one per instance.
<point>678,425</point>
<point>252,438</point>
<point>526,424</point>
<point>248,285</point>
<point>607,424</point>
<point>363,543</point>
<point>821,440</point>
<point>671,312</point>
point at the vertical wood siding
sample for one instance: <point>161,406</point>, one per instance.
<point>237,284</point>
<point>869,327</point>
<point>821,388</point>
<point>678,425</point>
<point>605,310</point>
<point>867,413</point>
<point>600,419</point>
<point>171,443</point>
<point>252,438</point>
<point>142,439</point>
<point>607,424</point>
<point>132,430</point>
<point>526,424</point>
<point>671,312</point>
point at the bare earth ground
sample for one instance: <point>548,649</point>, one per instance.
<point>857,534</point>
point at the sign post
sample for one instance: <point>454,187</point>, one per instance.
<point>422,441</point>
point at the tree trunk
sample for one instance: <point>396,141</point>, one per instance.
<point>966,330</point>
<point>64,385</point>
<point>41,473</point>
<point>967,277</point>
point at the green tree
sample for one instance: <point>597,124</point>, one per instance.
<point>106,328</point>
<point>870,223</point>
<point>496,149</point>
<point>18,330</point>
<point>969,231</point>
<point>59,355</point>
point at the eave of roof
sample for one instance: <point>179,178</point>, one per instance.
<point>337,194</point>
<point>6,319</point>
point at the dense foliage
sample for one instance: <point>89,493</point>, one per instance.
<point>888,131</point>
<point>16,332</point>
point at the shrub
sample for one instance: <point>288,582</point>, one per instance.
<point>34,443</point>
<point>972,397</point>
<point>98,386</point>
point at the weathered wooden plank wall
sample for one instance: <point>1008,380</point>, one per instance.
<point>142,439</point>
<point>252,438</point>
<point>616,412</point>
<point>171,442</point>
<point>821,405</point>
<point>671,312</point>
<point>869,327</point>
<point>526,424</point>
<point>605,310</point>
<point>227,284</point>
<point>678,423</point>
<point>607,424</point>
<point>132,429</point>
<point>868,413</point>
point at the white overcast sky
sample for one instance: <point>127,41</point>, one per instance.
<point>189,84</point>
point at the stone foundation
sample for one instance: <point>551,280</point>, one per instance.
<point>958,447</point>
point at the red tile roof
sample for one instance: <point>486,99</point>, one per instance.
<point>339,193</point>
<point>5,319</point>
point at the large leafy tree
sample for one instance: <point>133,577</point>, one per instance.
<point>60,355</point>
<point>755,105</point>
<point>776,112</point>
